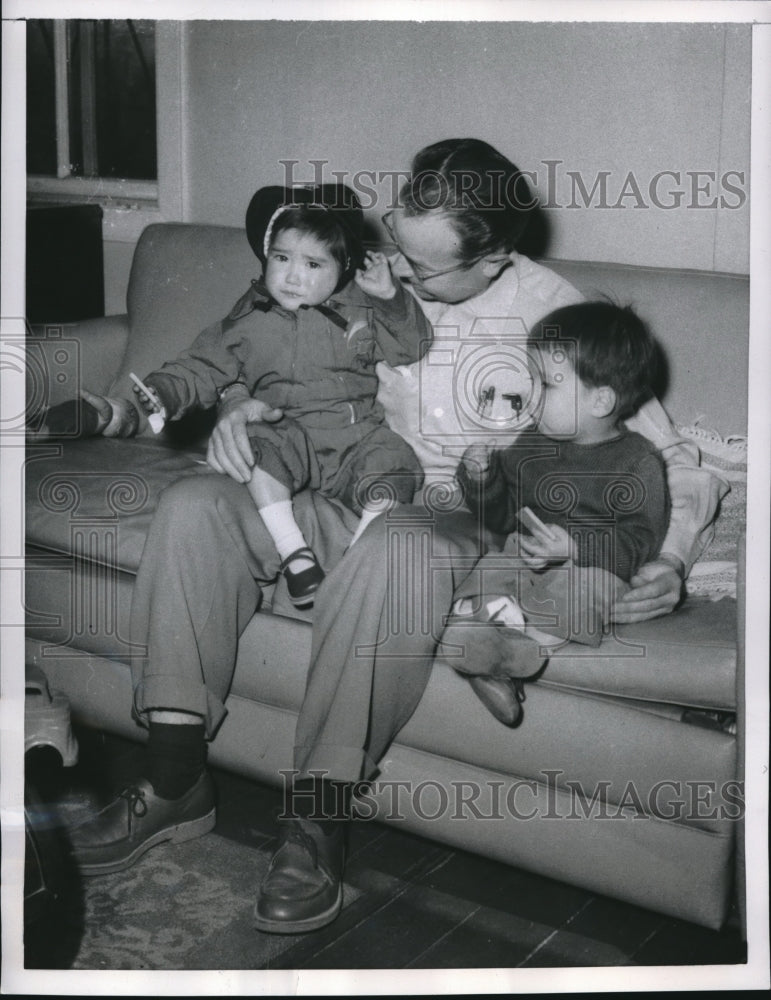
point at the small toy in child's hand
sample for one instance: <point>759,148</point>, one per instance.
<point>534,524</point>
<point>158,418</point>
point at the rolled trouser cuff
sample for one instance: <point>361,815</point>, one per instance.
<point>333,762</point>
<point>172,693</point>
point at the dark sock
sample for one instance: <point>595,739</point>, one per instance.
<point>321,800</point>
<point>176,757</point>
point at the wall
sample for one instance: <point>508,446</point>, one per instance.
<point>593,99</point>
<point>596,97</point>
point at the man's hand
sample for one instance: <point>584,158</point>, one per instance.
<point>656,590</point>
<point>375,277</point>
<point>229,451</point>
<point>103,407</point>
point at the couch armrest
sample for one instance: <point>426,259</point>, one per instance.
<point>63,359</point>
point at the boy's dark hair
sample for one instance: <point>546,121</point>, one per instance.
<point>485,194</point>
<point>607,345</point>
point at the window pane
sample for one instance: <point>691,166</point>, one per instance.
<point>112,98</point>
<point>124,57</point>
<point>41,105</point>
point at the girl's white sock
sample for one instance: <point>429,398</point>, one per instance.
<point>278,518</point>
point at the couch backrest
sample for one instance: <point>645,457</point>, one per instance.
<point>183,278</point>
<point>700,319</point>
<point>186,276</point>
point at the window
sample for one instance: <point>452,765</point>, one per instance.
<point>135,79</point>
<point>91,107</point>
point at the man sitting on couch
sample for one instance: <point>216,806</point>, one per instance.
<point>207,554</point>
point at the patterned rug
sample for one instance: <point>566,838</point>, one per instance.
<point>186,906</point>
<point>169,910</point>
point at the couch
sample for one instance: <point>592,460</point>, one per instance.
<point>625,777</point>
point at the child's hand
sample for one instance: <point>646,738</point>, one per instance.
<point>375,278</point>
<point>148,399</point>
<point>552,544</point>
<point>476,461</point>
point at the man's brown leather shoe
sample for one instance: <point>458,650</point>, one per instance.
<point>303,890</point>
<point>137,820</point>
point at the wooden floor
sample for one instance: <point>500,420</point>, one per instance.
<point>420,905</point>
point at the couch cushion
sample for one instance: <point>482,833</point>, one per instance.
<point>103,485</point>
<point>686,658</point>
<point>102,493</point>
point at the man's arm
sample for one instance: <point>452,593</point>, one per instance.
<point>694,492</point>
<point>657,587</point>
<point>229,451</point>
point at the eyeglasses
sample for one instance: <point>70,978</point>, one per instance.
<point>420,272</point>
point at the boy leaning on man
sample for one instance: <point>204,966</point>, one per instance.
<point>591,493</point>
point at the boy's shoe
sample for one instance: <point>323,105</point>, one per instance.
<point>137,820</point>
<point>502,696</point>
<point>302,585</point>
<point>303,889</point>
<point>495,653</point>
<point>480,646</point>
